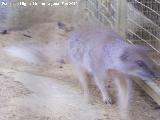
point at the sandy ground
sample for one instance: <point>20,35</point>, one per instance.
<point>50,91</point>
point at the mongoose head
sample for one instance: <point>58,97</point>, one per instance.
<point>135,61</point>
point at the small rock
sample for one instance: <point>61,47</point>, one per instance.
<point>61,25</point>
<point>4,32</point>
<point>27,35</point>
<point>60,66</point>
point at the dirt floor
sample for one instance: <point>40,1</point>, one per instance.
<point>50,91</point>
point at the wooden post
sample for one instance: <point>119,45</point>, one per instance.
<point>121,19</point>
<point>150,88</point>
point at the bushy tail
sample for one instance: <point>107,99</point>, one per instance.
<point>38,52</point>
<point>29,54</point>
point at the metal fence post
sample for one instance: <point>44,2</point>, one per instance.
<point>121,19</point>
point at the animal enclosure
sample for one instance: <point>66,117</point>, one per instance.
<point>49,90</point>
<point>138,21</point>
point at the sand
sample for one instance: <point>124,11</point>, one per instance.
<point>50,91</point>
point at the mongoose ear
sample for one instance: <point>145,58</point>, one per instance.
<point>124,56</point>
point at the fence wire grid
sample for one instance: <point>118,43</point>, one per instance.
<point>141,20</point>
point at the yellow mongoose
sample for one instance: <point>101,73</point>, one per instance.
<point>100,53</point>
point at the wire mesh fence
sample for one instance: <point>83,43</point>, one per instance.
<point>147,30</point>
<point>138,19</point>
<point>102,10</point>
